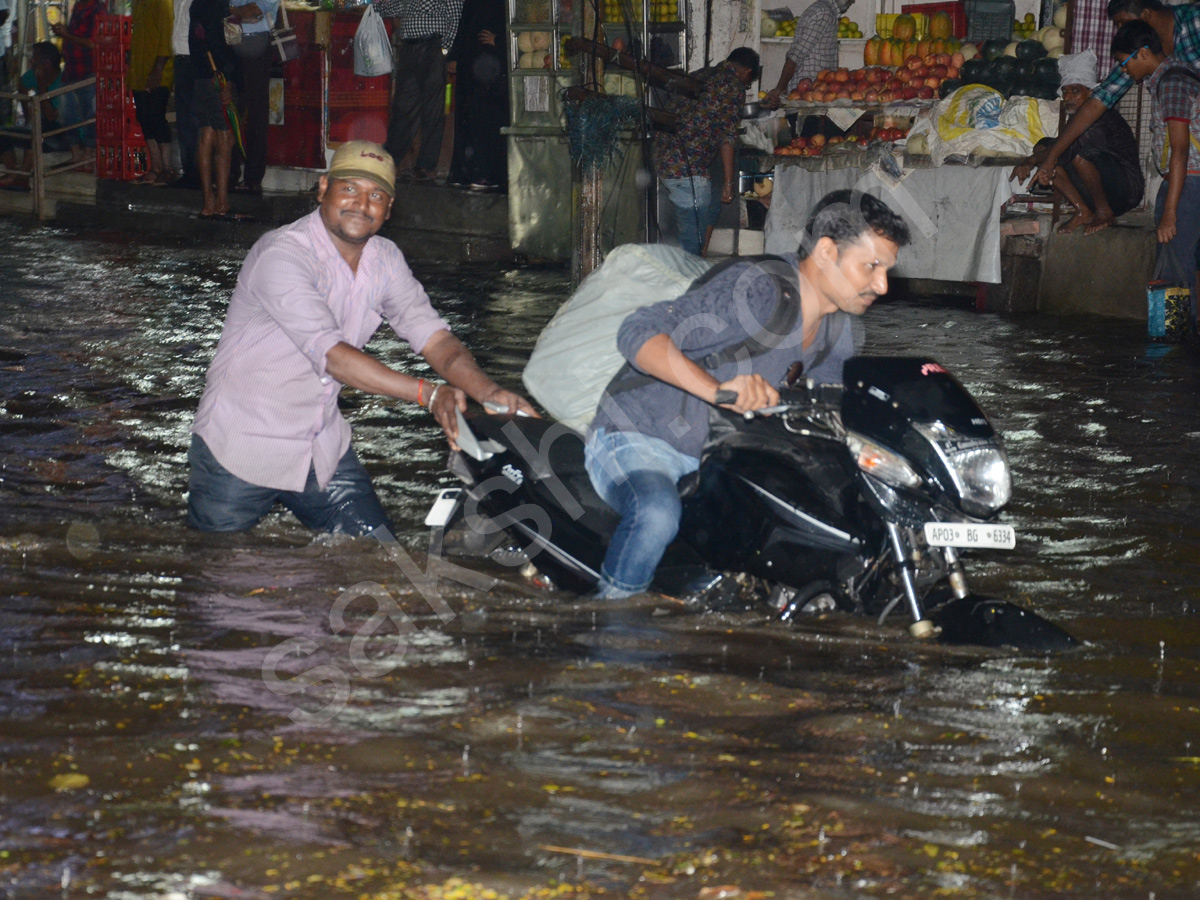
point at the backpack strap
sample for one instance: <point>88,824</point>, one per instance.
<point>779,325</point>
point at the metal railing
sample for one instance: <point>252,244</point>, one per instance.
<point>36,135</point>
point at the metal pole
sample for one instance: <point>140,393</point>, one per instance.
<point>38,185</point>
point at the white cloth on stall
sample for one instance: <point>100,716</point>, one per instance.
<point>953,213</point>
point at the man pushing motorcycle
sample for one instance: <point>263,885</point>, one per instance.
<point>730,340</point>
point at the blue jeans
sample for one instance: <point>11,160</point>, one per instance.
<point>695,209</point>
<point>636,475</point>
<point>220,501</point>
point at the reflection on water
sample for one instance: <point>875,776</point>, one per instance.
<point>679,755</point>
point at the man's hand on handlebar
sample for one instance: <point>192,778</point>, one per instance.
<point>752,392</point>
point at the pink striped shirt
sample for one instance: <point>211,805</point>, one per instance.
<point>269,410</point>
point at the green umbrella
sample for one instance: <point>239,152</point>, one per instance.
<point>231,113</point>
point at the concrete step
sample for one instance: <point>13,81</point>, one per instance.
<point>1103,274</point>
<point>429,222</point>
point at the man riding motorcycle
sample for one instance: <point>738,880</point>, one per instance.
<point>728,341</point>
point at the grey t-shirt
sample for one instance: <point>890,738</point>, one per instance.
<point>723,311</point>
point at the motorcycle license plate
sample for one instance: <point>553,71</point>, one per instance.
<point>443,507</point>
<point>959,534</point>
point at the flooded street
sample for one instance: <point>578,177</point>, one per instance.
<point>196,716</point>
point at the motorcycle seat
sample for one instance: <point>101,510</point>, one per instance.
<point>558,464</point>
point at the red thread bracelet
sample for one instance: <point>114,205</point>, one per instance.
<point>420,390</point>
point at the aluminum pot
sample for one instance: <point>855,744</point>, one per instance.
<point>750,110</point>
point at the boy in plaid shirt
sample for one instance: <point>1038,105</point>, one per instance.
<point>1174,88</point>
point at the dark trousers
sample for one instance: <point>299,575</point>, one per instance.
<point>254,106</point>
<point>152,114</point>
<point>419,102</point>
<point>480,111</point>
<point>220,501</point>
<point>186,125</point>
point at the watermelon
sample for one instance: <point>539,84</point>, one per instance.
<point>1046,68</point>
<point>1004,67</point>
<point>973,69</point>
<point>994,48</point>
<point>948,87</point>
<point>1030,50</point>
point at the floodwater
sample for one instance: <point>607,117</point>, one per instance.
<point>190,716</point>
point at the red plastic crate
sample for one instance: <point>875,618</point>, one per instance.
<point>114,127</point>
<point>121,160</point>
<point>112,95</point>
<point>111,58</point>
<point>956,10</point>
<point>113,29</point>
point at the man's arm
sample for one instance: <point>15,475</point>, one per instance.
<point>1020,172</point>
<point>1179,139</point>
<point>773,95</point>
<point>449,358</point>
<point>661,358</point>
<point>727,168</point>
<point>1084,119</point>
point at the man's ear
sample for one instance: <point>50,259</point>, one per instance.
<point>825,252</point>
<point>322,187</point>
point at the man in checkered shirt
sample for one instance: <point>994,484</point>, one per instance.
<point>814,48</point>
<point>1174,89</point>
<point>422,34</point>
<point>1178,29</point>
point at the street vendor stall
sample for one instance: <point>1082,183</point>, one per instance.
<point>949,175</point>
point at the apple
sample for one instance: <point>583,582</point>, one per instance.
<point>836,140</point>
<point>957,59</point>
<point>909,93</point>
<point>952,71</point>
<point>806,96</point>
<point>817,140</point>
<point>856,96</point>
<point>933,82</point>
<point>929,59</point>
<point>871,96</point>
<point>904,75</point>
<point>921,71</point>
<point>944,59</point>
<point>794,95</point>
<point>825,75</point>
<point>858,75</point>
<point>926,93</point>
<point>804,84</point>
<point>841,75</point>
<point>940,71</point>
<point>912,62</point>
<point>800,143</point>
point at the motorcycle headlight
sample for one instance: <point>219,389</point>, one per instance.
<point>979,469</point>
<point>888,467</point>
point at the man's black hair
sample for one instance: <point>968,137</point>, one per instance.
<point>1133,36</point>
<point>45,50</point>
<point>744,57</point>
<point>844,216</point>
<point>1132,7</point>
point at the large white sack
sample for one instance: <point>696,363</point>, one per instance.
<point>576,354</point>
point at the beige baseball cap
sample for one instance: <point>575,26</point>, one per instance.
<point>364,159</point>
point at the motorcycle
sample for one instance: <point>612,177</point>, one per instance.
<point>858,496</point>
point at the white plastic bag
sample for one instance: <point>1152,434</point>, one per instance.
<point>576,354</point>
<point>372,49</point>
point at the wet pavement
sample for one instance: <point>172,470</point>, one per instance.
<point>278,715</point>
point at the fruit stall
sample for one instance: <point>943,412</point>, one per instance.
<point>928,120</point>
